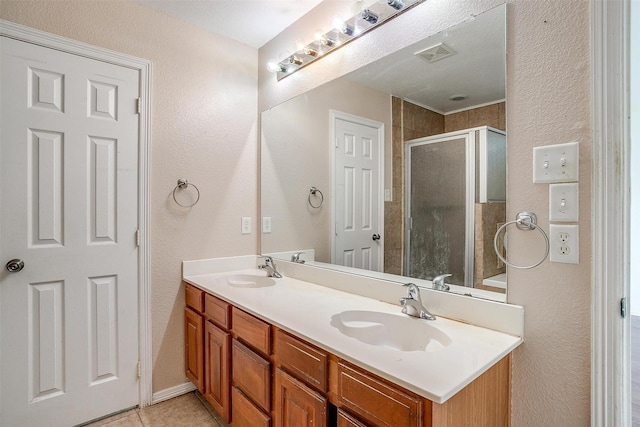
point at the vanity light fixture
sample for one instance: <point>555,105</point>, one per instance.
<point>370,16</point>
<point>341,33</point>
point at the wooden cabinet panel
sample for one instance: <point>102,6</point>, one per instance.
<point>302,360</point>
<point>245,413</point>
<point>217,381</point>
<point>193,354</point>
<point>252,331</point>
<point>194,297</point>
<point>218,311</point>
<point>295,404</point>
<point>376,401</point>
<point>347,420</point>
<point>251,374</point>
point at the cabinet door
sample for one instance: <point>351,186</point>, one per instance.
<point>216,369</point>
<point>296,404</point>
<point>193,353</point>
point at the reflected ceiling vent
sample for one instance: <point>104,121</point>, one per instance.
<point>436,53</point>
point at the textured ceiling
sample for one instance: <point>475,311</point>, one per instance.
<point>252,22</point>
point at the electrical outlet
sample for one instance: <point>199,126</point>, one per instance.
<point>555,163</point>
<point>564,243</point>
<point>246,225</point>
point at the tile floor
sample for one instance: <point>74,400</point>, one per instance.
<point>187,410</point>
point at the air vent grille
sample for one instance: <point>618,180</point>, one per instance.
<point>436,53</point>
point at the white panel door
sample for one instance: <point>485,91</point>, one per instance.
<point>357,241</point>
<point>68,199</point>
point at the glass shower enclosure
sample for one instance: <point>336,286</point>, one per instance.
<point>445,176</point>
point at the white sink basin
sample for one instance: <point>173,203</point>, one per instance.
<point>400,331</point>
<point>246,281</point>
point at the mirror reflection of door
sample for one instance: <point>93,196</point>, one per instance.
<point>357,182</point>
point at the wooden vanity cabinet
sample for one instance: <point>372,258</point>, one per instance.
<point>255,374</point>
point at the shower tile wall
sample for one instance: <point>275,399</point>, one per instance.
<point>409,122</point>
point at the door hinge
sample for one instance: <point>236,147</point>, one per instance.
<point>623,308</point>
<point>137,237</point>
<point>139,106</point>
<point>139,369</point>
<point>337,142</point>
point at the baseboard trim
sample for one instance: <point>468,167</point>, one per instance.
<point>171,392</point>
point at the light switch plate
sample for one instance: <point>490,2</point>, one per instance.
<point>563,202</point>
<point>555,163</point>
<point>246,225</point>
<point>266,224</point>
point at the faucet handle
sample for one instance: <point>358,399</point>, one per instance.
<point>438,282</point>
<point>412,290</point>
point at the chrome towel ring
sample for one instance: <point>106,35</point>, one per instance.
<point>183,184</point>
<point>313,191</point>
<point>524,221</point>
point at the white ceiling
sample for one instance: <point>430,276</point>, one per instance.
<point>477,70</point>
<point>252,22</point>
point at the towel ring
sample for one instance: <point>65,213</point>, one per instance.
<point>183,184</point>
<point>524,221</point>
<point>312,192</point>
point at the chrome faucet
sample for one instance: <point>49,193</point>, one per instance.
<point>270,267</point>
<point>296,258</point>
<point>412,303</point>
<point>438,283</point>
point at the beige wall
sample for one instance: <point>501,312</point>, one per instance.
<point>203,128</point>
<point>548,103</point>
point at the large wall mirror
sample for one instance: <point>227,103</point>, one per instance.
<point>397,169</point>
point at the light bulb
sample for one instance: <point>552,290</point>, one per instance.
<point>274,66</point>
<point>396,4</point>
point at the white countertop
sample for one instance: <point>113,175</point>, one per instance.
<point>306,309</point>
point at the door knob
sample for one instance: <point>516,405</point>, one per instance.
<point>14,265</point>
<point>375,237</point>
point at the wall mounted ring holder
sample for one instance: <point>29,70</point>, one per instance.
<point>313,191</point>
<point>525,221</point>
<point>183,184</point>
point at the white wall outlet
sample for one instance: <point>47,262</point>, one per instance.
<point>246,225</point>
<point>563,202</point>
<point>564,243</point>
<point>266,224</point>
<point>555,163</point>
<point>387,195</point>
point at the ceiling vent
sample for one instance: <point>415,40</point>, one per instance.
<point>436,53</point>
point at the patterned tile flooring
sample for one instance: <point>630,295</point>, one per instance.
<point>187,410</point>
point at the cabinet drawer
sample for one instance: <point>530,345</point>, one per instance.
<point>347,420</point>
<point>297,405</point>
<point>246,414</point>
<point>252,331</point>
<point>302,360</point>
<point>252,375</point>
<point>376,401</point>
<point>194,297</point>
<point>218,311</point>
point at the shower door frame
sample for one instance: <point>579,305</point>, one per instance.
<point>470,196</point>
